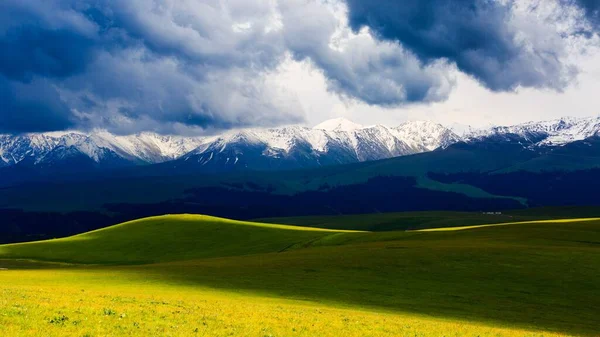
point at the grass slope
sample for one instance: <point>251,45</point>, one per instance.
<point>462,228</point>
<point>534,279</point>
<point>108,303</point>
<point>167,238</point>
<point>378,222</point>
<point>407,220</point>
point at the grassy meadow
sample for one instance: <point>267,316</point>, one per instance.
<point>381,222</point>
<point>186,275</point>
<point>378,222</point>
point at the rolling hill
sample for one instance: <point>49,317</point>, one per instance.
<point>520,279</point>
<point>381,222</point>
<point>168,238</point>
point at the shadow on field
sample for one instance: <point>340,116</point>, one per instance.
<point>532,276</point>
<point>540,276</point>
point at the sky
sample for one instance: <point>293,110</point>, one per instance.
<point>202,66</point>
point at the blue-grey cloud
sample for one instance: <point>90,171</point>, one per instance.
<point>591,9</point>
<point>377,73</point>
<point>169,65</point>
<point>32,107</point>
<point>479,36</point>
<point>28,51</point>
<point>131,65</point>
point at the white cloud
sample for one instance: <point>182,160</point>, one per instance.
<point>198,65</point>
<point>470,102</point>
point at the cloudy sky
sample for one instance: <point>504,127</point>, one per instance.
<point>197,66</point>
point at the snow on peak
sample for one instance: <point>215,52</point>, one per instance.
<point>149,147</point>
<point>553,132</point>
<point>338,124</point>
<point>338,137</point>
<point>565,131</point>
<point>343,135</point>
<point>425,136</point>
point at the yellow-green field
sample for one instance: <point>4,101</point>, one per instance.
<point>200,276</point>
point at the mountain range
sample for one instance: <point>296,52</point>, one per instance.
<point>336,141</point>
<point>97,179</point>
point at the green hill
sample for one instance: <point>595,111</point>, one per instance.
<point>538,277</point>
<point>167,238</point>
<point>380,222</point>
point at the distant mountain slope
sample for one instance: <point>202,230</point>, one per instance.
<point>546,133</point>
<point>485,176</point>
<point>162,182</point>
<point>425,136</point>
<point>528,146</point>
<point>170,238</point>
<point>336,141</point>
<point>14,149</point>
<point>300,147</point>
<point>140,148</point>
<point>578,155</point>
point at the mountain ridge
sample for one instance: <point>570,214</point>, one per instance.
<point>355,143</point>
<point>336,141</point>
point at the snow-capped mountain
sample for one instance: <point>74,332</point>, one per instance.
<point>424,136</point>
<point>144,147</point>
<point>99,146</point>
<point>14,149</point>
<point>337,141</point>
<point>556,132</point>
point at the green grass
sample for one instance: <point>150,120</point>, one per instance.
<point>524,223</point>
<point>411,220</point>
<point>378,222</point>
<point>167,238</point>
<point>109,303</point>
<point>172,275</point>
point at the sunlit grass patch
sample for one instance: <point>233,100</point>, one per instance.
<point>460,228</point>
<point>124,308</point>
<point>194,276</point>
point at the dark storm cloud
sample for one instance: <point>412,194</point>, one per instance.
<point>123,65</point>
<point>36,50</point>
<point>28,51</point>
<point>478,35</point>
<point>591,9</point>
<point>168,65</point>
<point>362,68</point>
<point>31,107</point>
